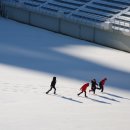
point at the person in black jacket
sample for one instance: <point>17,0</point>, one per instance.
<point>93,85</point>
<point>53,83</point>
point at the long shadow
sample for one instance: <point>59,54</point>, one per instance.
<point>66,98</point>
<point>116,96</point>
<point>95,100</point>
<point>71,99</point>
<point>111,99</point>
<point>32,48</point>
<point>99,101</point>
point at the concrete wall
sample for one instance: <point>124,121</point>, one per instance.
<point>113,39</point>
<point>87,33</point>
<point>17,14</point>
<point>44,21</point>
<point>70,28</point>
<point>106,37</point>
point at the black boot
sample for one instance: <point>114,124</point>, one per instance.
<point>47,92</point>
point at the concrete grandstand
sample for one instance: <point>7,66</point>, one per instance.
<point>104,22</point>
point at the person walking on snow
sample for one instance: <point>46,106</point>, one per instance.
<point>53,83</point>
<point>101,84</point>
<point>83,89</point>
<point>93,85</point>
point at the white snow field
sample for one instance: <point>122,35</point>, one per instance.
<point>30,57</point>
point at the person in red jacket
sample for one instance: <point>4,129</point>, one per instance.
<point>83,89</point>
<point>101,84</point>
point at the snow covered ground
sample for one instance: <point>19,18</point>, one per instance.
<point>30,57</point>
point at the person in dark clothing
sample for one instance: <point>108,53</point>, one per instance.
<point>83,89</point>
<point>53,83</point>
<point>101,84</point>
<point>93,85</point>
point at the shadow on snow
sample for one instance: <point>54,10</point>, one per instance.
<point>116,96</point>
<point>29,48</point>
<point>99,101</point>
<point>66,98</point>
<point>111,99</point>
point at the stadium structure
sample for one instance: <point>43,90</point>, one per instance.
<point>105,22</point>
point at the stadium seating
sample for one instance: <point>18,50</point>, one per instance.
<point>65,6</point>
<point>100,10</point>
<point>116,12</point>
<point>105,22</point>
<point>122,21</point>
